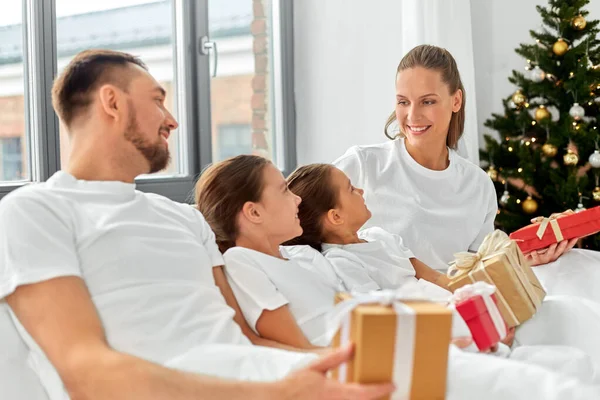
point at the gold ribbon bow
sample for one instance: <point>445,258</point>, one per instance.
<point>465,262</point>
<point>470,264</point>
<point>552,221</point>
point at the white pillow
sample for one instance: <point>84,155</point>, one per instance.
<point>17,380</point>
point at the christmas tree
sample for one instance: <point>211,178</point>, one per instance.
<point>546,158</point>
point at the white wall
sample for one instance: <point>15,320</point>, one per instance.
<point>346,53</point>
<point>344,73</point>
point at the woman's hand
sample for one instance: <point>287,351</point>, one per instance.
<point>550,254</point>
<point>510,337</point>
<point>462,342</point>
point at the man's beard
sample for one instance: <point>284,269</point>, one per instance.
<point>156,153</point>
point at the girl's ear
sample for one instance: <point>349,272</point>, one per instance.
<point>251,211</point>
<point>334,217</point>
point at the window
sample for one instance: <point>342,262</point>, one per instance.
<point>246,90</point>
<point>12,159</point>
<point>13,132</point>
<point>233,140</point>
<point>241,109</point>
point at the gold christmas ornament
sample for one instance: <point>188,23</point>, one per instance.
<point>530,206</point>
<point>492,173</point>
<point>519,98</point>
<point>578,23</point>
<point>560,47</point>
<point>542,113</point>
<point>596,193</point>
<point>571,158</point>
<point>549,150</point>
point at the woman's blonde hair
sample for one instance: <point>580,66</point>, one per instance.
<point>437,59</point>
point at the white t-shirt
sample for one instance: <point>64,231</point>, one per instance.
<point>437,213</point>
<point>146,260</point>
<point>383,262</point>
<point>305,282</point>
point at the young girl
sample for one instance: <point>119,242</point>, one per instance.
<point>331,215</point>
<point>251,210</point>
<point>248,204</point>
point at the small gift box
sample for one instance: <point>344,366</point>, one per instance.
<point>556,228</point>
<point>396,340</point>
<point>476,304</point>
<point>500,262</point>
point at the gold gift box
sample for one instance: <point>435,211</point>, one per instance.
<point>373,332</point>
<point>518,291</point>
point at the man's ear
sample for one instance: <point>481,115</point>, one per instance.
<point>111,101</point>
<point>251,211</point>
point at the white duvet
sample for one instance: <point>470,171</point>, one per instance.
<point>470,375</point>
<point>576,273</point>
<point>556,353</point>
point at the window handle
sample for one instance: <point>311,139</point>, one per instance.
<point>205,47</point>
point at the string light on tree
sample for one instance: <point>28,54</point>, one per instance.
<point>492,172</point>
<point>560,48</point>
<point>529,205</point>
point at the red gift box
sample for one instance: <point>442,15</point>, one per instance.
<point>557,228</point>
<point>477,316</point>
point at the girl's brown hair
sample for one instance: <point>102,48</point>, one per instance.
<point>313,184</point>
<point>438,59</point>
<point>222,191</point>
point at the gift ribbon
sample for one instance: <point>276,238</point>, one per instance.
<point>485,290</point>
<point>552,221</point>
<point>494,244</point>
<point>339,319</point>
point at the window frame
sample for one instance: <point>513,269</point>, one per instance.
<point>42,138</point>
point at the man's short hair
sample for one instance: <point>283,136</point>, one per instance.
<point>88,70</point>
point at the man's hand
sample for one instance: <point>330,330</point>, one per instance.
<point>311,383</point>
<point>550,254</point>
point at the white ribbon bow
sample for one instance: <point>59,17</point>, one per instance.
<point>485,290</point>
<point>339,319</point>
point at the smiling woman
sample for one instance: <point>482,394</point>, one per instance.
<point>417,185</point>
